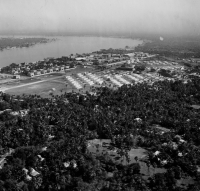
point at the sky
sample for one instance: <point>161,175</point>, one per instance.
<point>100,17</point>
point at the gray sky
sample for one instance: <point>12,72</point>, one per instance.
<point>100,16</point>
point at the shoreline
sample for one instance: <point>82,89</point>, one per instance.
<point>56,38</point>
<point>24,45</point>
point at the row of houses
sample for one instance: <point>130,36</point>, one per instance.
<point>29,69</point>
<point>99,60</point>
<point>48,71</point>
<point>57,64</point>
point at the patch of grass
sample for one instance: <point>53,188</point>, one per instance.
<point>43,88</point>
<point>99,147</point>
<point>29,80</point>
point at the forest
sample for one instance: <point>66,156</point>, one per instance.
<point>173,47</point>
<point>44,141</point>
<point>20,42</point>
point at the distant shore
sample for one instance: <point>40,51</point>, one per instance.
<point>62,46</point>
<point>7,43</point>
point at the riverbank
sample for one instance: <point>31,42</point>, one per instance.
<point>7,43</point>
<point>63,46</point>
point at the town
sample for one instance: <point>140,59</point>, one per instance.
<point>111,68</point>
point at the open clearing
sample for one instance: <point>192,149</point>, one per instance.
<point>43,85</point>
<point>43,89</point>
<point>100,146</point>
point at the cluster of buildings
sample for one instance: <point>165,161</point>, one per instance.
<point>172,66</point>
<point>155,65</point>
<point>80,80</point>
<point>46,66</point>
<point>159,62</point>
<point>48,71</point>
<point>192,60</point>
<point>115,79</point>
<point>50,65</point>
<point>130,60</point>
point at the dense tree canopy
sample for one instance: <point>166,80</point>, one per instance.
<point>44,141</point>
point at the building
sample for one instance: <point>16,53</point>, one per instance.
<point>80,58</point>
<point>49,70</point>
<point>44,71</point>
<point>106,56</point>
<point>66,67</point>
<point>56,69</point>
<point>88,63</point>
<point>62,68</point>
<point>16,71</point>
<point>127,55</point>
<point>31,74</point>
<point>116,55</point>
<point>72,56</point>
<point>116,59</point>
<point>37,73</point>
<point>16,77</point>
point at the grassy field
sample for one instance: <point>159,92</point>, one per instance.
<point>98,146</point>
<point>43,89</point>
<point>54,83</point>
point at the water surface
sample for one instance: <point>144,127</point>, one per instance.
<point>64,46</point>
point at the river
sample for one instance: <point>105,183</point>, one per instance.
<point>63,46</point>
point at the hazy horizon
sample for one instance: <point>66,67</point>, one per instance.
<point>100,17</point>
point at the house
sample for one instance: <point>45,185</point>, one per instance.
<point>94,54</point>
<point>88,63</point>
<point>72,56</point>
<point>80,58</point>
<point>116,55</point>
<point>116,59</point>
<point>16,77</point>
<point>62,68</point>
<point>110,60</point>
<point>90,57</point>
<point>127,55</point>
<point>14,72</point>
<point>101,60</point>
<point>106,56</point>
<point>56,69</point>
<point>44,71</point>
<point>31,74</point>
<point>37,73</point>
<point>49,70</point>
<point>79,62</point>
<point>66,67</point>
